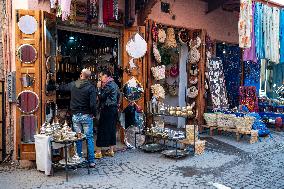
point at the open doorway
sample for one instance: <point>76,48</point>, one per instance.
<point>77,51</point>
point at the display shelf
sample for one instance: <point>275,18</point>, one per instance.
<point>175,140</point>
<point>167,115</point>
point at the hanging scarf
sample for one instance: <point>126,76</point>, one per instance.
<point>245,23</point>
<point>65,8</point>
<point>100,20</point>
<point>249,53</point>
<point>115,9</point>
<point>108,11</point>
<point>258,30</point>
<point>275,56</point>
<point>109,79</point>
<point>52,4</point>
<point>281,36</point>
<point>267,29</point>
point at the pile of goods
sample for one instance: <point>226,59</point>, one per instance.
<point>229,121</point>
<point>190,135</point>
<point>165,133</point>
<point>158,91</point>
<point>226,120</point>
<point>161,108</point>
<point>60,132</point>
<point>199,147</point>
<point>211,119</point>
<point>244,124</point>
<point>254,136</point>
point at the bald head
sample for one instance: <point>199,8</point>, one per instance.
<point>85,74</point>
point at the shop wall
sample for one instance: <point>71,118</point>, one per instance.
<point>221,25</point>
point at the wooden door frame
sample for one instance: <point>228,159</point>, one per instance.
<point>3,121</point>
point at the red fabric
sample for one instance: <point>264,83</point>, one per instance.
<point>278,122</point>
<point>248,97</point>
<point>108,11</point>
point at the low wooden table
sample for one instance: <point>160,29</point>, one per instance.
<point>232,130</point>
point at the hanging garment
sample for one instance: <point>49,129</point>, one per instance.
<point>249,53</point>
<point>245,23</point>
<point>252,74</point>
<point>232,70</point>
<point>275,55</point>
<point>281,32</point>
<point>217,84</point>
<point>100,20</point>
<point>258,30</point>
<point>248,97</point>
<point>52,4</point>
<point>108,11</point>
<point>129,13</point>
<point>65,8</point>
<point>267,30</point>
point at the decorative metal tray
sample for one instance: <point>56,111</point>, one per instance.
<point>175,153</point>
<point>152,147</point>
<point>62,162</point>
<point>130,137</point>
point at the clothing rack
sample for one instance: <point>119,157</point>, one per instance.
<point>269,3</point>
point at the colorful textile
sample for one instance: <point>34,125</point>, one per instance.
<point>217,84</point>
<point>281,36</point>
<point>252,74</point>
<point>267,19</point>
<point>108,11</point>
<point>249,53</point>
<point>232,70</point>
<point>275,56</point>
<point>245,23</point>
<point>249,98</point>
<point>271,33</point>
<point>259,125</point>
<point>258,30</point>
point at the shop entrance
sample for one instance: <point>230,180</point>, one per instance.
<point>80,50</point>
<point>60,50</point>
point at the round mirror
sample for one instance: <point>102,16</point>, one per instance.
<point>27,53</point>
<point>27,24</point>
<point>28,101</point>
<point>50,64</point>
<point>133,90</point>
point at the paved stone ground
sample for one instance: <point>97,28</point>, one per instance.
<point>227,162</point>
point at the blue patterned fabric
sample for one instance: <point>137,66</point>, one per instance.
<point>252,74</point>
<point>282,36</point>
<point>259,125</point>
<point>258,30</point>
<point>232,70</point>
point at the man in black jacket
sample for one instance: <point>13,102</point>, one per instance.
<point>83,108</point>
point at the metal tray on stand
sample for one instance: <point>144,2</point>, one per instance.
<point>153,147</point>
<point>175,153</point>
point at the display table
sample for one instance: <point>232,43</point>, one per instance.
<point>45,145</point>
<point>64,162</point>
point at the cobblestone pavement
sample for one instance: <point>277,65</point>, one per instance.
<point>225,162</point>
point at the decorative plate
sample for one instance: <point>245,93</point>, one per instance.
<point>133,90</point>
<point>130,137</point>
<point>136,47</point>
